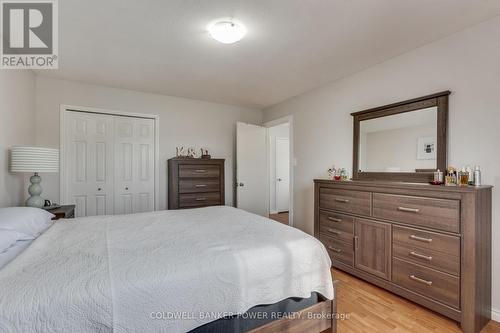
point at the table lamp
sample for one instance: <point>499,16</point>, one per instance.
<point>34,160</point>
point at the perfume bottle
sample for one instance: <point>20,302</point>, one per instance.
<point>463,177</point>
<point>451,177</point>
<point>477,176</point>
<point>471,174</point>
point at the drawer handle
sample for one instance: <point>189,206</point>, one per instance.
<point>334,249</point>
<point>355,242</point>
<point>420,256</point>
<point>200,185</point>
<point>200,170</point>
<point>201,199</point>
<point>421,239</point>
<point>409,210</point>
<point>342,200</point>
<point>334,231</point>
<point>414,278</point>
<point>334,219</point>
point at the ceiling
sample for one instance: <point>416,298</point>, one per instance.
<point>292,46</point>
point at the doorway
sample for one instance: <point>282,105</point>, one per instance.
<point>264,169</point>
<point>279,172</point>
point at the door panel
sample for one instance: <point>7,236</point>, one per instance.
<point>251,169</point>
<point>101,204</point>
<point>134,161</point>
<point>89,157</point>
<point>372,251</point>
<point>282,174</point>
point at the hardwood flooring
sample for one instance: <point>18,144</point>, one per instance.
<point>280,217</point>
<point>371,309</point>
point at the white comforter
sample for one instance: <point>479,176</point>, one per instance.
<point>115,273</point>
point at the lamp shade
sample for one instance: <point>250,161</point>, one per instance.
<point>34,159</point>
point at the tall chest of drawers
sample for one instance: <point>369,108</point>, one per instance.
<point>195,183</point>
<point>430,244</point>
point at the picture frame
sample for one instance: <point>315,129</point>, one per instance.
<point>426,148</point>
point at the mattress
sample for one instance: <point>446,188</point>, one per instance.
<point>168,271</point>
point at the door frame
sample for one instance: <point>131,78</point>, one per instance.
<point>63,190</point>
<point>276,122</point>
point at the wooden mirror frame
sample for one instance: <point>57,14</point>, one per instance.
<point>440,100</point>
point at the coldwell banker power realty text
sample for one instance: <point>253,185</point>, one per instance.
<point>29,30</point>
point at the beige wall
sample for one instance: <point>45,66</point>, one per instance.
<point>467,63</point>
<point>183,122</point>
<point>17,127</point>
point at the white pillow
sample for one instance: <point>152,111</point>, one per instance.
<point>7,239</point>
<point>28,221</point>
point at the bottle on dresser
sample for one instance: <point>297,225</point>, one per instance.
<point>477,176</point>
<point>470,171</point>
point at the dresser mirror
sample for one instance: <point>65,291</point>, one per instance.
<point>404,141</point>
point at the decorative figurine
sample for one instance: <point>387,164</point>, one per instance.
<point>205,154</point>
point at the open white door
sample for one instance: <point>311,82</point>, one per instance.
<point>251,169</point>
<point>282,174</point>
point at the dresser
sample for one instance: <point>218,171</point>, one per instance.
<point>195,183</point>
<point>429,244</point>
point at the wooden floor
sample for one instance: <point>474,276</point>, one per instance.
<point>370,309</point>
<point>280,217</point>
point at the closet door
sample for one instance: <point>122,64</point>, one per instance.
<point>89,163</point>
<point>134,165</point>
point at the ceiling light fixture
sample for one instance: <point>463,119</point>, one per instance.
<point>227,31</point>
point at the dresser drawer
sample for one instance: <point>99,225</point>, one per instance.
<point>338,250</point>
<point>431,249</point>
<point>189,185</point>
<point>433,213</point>
<point>428,258</point>
<point>442,287</point>
<point>199,171</point>
<point>356,202</point>
<point>337,226</point>
<point>199,199</point>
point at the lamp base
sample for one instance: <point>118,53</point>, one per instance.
<point>35,189</point>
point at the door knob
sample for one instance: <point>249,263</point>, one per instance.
<point>126,188</point>
<point>240,184</point>
<point>279,179</point>
<point>99,189</point>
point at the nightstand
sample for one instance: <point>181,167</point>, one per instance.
<point>64,212</point>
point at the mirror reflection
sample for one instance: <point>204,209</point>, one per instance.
<point>404,142</point>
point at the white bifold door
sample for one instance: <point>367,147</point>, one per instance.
<point>134,165</point>
<point>109,164</point>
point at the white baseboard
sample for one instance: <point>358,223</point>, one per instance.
<point>495,315</point>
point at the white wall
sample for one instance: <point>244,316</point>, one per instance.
<point>279,131</point>
<point>17,127</point>
<point>467,63</point>
<point>183,122</point>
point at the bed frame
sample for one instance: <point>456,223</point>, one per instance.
<point>324,319</point>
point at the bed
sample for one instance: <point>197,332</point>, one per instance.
<point>169,271</point>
